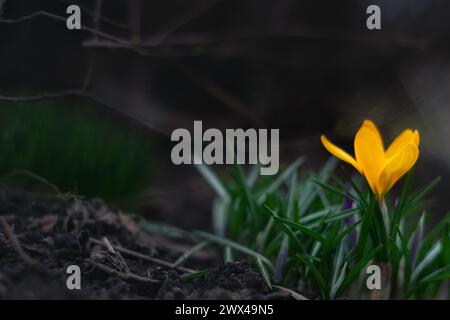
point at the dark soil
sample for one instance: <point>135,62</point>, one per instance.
<point>41,235</point>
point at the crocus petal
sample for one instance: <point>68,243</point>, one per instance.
<point>416,138</point>
<point>398,166</point>
<point>372,126</point>
<point>339,153</point>
<point>406,137</point>
<point>369,154</point>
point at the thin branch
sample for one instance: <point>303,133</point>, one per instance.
<point>42,13</point>
<point>96,18</point>
<point>42,96</point>
<point>15,243</point>
<point>210,87</point>
<point>124,276</point>
<point>187,17</point>
<point>105,44</point>
<point>145,257</point>
<point>219,93</point>
<point>103,18</point>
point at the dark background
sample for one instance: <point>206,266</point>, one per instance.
<point>149,67</point>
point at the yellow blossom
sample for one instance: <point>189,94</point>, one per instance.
<point>381,168</point>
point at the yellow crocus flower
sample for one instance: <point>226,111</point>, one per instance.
<point>381,168</point>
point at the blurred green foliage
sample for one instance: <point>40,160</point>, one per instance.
<point>77,147</point>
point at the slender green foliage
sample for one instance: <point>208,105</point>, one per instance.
<point>315,233</point>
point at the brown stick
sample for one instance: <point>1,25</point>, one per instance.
<point>62,19</point>
<point>15,243</point>
<point>145,257</point>
<point>122,275</point>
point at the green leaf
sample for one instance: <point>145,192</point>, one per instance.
<point>405,193</point>
<point>323,197</point>
<point>253,175</point>
<point>446,244</point>
<point>339,258</point>
<point>191,251</point>
<point>420,194</point>
<point>281,259</point>
<point>341,215</point>
<point>213,181</point>
<point>333,189</point>
<point>236,216</point>
<point>307,196</point>
<point>198,274</point>
<point>313,234</point>
<point>320,280</point>
<point>317,215</point>
<point>328,169</point>
<point>316,247</point>
<point>330,240</point>
<point>236,246</point>
<point>279,180</point>
<point>360,196</point>
<point>430,239</point>
<point>354,272</point>
<point>248,196</point>
<point>219,216</point>
<point>228,254</point>
<point>292,189</point>
<point>438,275</point>
<point>264,235</point>
<point>294,239</point>
<point>262,268</point>
<point>346,231</point>
<point>338,282</point>
<point>427,260</point>
<point>407,257</point>
<point>169,231</point>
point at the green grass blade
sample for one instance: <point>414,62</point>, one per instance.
<point>236,246</point>
<point>338,281</point>
<point>228,255</point>
<point>292,190</point>
<point>214,181</point>
<point>190,252</point>
<point>279,180</point>
<point>248,195</point>
<point>317,215</point>
<point>420,194</point>
<point>287,231</point>
<point>198,274</point>
<point>311,233</point>
<point>354,272</point>
<point>253,175</point>
<point>282,257</point>
<point>219,216</point>
<point>427,260</point>
<point>333,189</point>
<point>262,268</point>
<point>319,279</point>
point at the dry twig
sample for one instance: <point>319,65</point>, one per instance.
<point>9,232</point>
<point>124,276</point>
<point>145,257</point>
